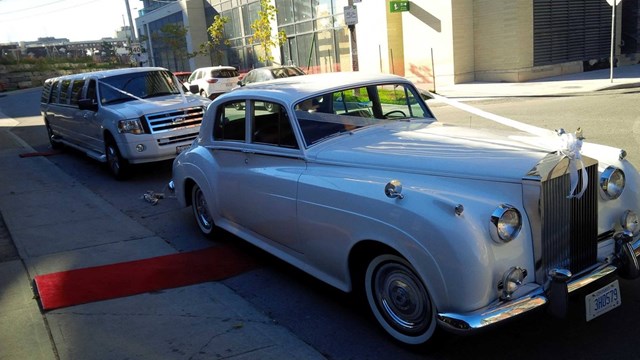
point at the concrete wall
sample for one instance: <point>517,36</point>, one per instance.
<point>25,76</point>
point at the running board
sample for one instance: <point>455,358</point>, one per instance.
<point>90,153</point>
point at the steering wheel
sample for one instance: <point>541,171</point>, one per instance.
<point>395,111</point>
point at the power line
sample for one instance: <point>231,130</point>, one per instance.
<point>46,11</point>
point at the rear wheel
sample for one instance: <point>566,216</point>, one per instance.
<point>399,300</point>
<point>54,144</point>
<point>118,166</point>
<point>201,212</point>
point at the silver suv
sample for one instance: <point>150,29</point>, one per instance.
<point>121,117</point>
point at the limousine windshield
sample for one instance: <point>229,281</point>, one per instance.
<point>128,87</point>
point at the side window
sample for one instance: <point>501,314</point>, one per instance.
<point>229,124</point>
<point>271,125</point>
<point>64,92</point>
<point>91,91</point>
<point>397,102</point>
<point>54,91</point>
<point>46,92</point>
<point>76,91</point>
<point>353,102</point>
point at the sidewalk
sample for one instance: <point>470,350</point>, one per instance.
<point>584,82</point>
<point>38,201</point>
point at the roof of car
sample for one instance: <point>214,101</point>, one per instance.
<point>299,87</point>
<point>101,74</point>
<point>219,67</point>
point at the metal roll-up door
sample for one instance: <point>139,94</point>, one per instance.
<point>570,30</point>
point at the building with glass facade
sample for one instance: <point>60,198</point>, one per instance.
<point>427,41</point>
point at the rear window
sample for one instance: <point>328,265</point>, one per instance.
<point>224,73</point>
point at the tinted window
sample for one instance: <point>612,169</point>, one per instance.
<point>224,73</point>
<point>76,91</point>
<point>64,92</point>
<point>230,122</point>
<point>46,92</point>
<point>54,91</point>
<point>271,125</point>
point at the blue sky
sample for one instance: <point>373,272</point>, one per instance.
<point>76,20</point>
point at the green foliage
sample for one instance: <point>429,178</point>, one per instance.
<point>173,36</point>
<point>216,32</point>
<point>263,33</point>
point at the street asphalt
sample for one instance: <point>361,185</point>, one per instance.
<point>49,222</point>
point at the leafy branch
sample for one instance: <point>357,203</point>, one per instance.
<point>263,33</point>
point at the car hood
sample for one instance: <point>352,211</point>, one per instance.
<point>137,108</point>
<point>436,149</point>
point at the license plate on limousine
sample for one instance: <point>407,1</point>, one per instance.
<point>182,148</point>
<point>603,300</point>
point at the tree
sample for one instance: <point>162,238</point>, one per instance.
<point>216,32</point>
<point>262,32</point>
<point>108,52</point>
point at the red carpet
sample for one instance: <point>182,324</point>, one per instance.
<point>86,285</point>
<point>47,153</point>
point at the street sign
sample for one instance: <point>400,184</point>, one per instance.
<point>610,2</point>
<point>398,6</point>
<point>135,48</point>
<point>350,15</point>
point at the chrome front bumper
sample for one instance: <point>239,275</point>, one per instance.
<point>504,310</point>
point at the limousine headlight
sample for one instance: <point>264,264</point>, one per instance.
<point>130,126</point>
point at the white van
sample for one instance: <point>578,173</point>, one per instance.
<point>121,117</point>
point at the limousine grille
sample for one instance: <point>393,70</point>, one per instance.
<point>569,226</point>
<point>565,230</point>
<point>172,120</point>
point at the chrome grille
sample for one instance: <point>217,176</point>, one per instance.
<point>565,231</point>
<point>172,120</point>
<point>569,226</point>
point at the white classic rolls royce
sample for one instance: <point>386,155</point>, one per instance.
<point>350,178</point>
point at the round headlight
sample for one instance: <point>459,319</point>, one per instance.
<point>505,223</point>
<point>630,222</point>
<point>612,182</point>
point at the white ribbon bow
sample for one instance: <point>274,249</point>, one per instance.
<point>571,147</point>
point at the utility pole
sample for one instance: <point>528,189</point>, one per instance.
<point>613,4</point>
<point>354,41</point>
<point>131,27</point>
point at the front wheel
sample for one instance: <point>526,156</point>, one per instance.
<point>399,300</point>
<point>118,166</point>
<point>201,212</point>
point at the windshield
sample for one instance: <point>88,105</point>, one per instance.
<point>138,85</point>
<point>331,114</point>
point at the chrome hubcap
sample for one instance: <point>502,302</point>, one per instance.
<point>200,208</point>
<point>401,298</point>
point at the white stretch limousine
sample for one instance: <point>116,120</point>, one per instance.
<point>121,117</point>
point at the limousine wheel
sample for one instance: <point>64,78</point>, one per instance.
<point>201,212</point>
<point>54,144</point>
<point>118,166</point>
<point>399,300</point>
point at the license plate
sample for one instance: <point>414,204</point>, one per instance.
<point>603,300</point>
<point>182,148</point>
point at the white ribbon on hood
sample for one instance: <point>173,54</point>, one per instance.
<point>568,145</point>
